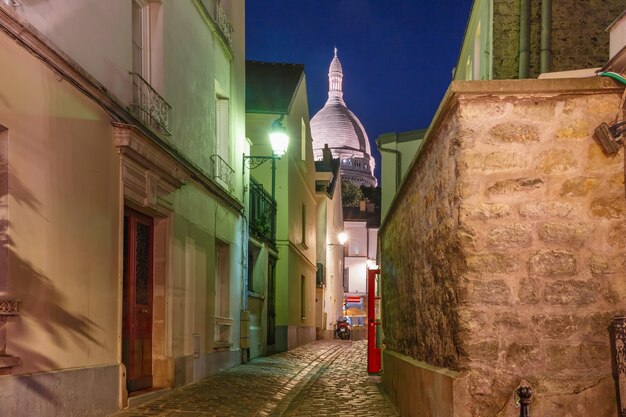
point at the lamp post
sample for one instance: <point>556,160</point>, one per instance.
<point>279,141</point>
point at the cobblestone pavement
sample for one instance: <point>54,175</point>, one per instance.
<point>325,378</point>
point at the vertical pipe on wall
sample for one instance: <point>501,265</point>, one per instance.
<point>546,36</point>
<point>524,39</point>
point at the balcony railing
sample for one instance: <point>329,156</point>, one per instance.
<point>223,22</point>
<point>262,213</point>
<point>149,106</point>
<point>222,172</point>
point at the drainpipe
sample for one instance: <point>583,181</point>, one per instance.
<point>546,36</point>
<point>524,39</point>
<point>398,159</point>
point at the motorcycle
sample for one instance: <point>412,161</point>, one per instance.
<point>343,329</point>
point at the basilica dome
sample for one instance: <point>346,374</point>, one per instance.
<point>338,128</point>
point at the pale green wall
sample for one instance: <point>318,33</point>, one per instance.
<point>477,44</point>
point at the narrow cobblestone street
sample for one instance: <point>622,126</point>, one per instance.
<point>325,378</point>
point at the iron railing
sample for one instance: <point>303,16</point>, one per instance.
<point>222,172</point>
<point>262,213</point>
<point>223,22</point>
<point>149,106</point>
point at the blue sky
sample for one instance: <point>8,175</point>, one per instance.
<point>397,56</point>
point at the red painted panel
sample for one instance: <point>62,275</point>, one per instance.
<point>374,323</point>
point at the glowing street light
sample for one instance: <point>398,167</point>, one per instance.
<point>279,141</point>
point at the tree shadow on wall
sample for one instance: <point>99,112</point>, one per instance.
<point>42,303</point>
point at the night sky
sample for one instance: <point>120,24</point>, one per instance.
<point>397,56</point>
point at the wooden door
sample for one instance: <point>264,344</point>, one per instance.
<point>137,309</point>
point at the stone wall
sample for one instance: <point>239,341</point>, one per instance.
<point>579,39</point>
<point>504,257</point>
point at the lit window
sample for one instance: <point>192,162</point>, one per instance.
<point>222,128</point>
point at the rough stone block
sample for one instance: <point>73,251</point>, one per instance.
<point>535,209</point>
<point>573,234</point>
<point>570,129</point>
<point>608,207</point>
<point>515,185</point>
<point>509,321</point>
<point>616,292</point>
<point>599,323</point>
<point>514,133</point>
<point>521,354</point>
<point>493,161</point>
<point>583,356</point>
<point>484,211</point>
<point>467,189</point>
<point>493,263</point>
<point>553,262</point>
<point>471,321</point>
<point>556,160</point>
<point>483,351</point>
<point>571,292</point>
<point>603,264</point>
<point>481,108</point>
<point>579,187</point>
<point>510,235</point>
<point>542,110</point>
<point>617,235</point>
<point>529,291</point>
<point>496,292</point>
<point>597,159</point>
<point>556,326</point>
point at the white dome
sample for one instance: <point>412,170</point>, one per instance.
<point>336,126</point>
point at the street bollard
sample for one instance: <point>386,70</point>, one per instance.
<point>524,393</point>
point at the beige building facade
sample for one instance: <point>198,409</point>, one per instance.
<point>122,200</point>
<point>330,250</point>
<point>276,90</point>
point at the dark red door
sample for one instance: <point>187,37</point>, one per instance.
<point>137,309</point>
<point>374,334</point>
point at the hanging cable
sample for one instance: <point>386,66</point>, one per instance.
<point>614,75</point>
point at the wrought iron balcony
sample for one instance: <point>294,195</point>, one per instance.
<point>262,214</point>
<point>149,106</point>
<point>223,174</point>
<point>223,22</point>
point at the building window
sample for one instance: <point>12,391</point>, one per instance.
<point>222,128</point>
<point>346,279</point>
<point>303,228</point>
<point>302,297</point>
<point>140,33</point>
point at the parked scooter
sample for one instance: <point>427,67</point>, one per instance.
<point>343,328</point>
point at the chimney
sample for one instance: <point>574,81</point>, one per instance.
<point>327,155</point>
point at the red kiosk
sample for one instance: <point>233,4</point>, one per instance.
<point>374,331</point>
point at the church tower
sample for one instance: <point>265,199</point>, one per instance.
<point>336,126</point>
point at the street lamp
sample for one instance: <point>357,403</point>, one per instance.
<point>279,141</point>
<point>342,237</point>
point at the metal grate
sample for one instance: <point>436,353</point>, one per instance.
<point>222,172</point>
<point>262,213</point>
<point>223,22</point>
<point>149,106</point>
